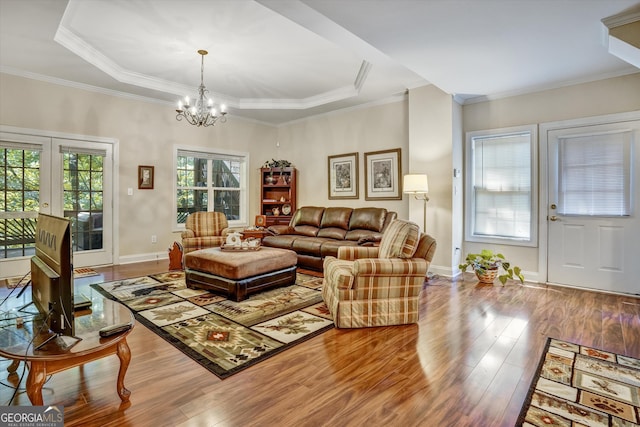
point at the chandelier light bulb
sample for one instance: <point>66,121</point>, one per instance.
<point>203,111</point>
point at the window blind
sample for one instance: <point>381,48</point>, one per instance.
<point>594,177</point>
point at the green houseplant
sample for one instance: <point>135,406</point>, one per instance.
<point>487,265</point>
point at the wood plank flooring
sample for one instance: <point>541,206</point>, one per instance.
<point>468,362</point>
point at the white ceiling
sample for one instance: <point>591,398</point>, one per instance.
<point>277,61</point>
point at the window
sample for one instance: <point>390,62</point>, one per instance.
<point>211,181</point>
<point>501,196</point>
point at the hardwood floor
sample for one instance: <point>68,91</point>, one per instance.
<point>468,362</point>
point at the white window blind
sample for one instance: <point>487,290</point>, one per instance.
<point>594,175</point>
<point>501,187</point>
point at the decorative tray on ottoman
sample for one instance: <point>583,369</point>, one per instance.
<point>239,248</point>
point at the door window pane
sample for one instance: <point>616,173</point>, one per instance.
<point>19,196</point>
<point>594,176</point>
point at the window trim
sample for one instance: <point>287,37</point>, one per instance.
<point>469,187</point>
<point>244,173</point>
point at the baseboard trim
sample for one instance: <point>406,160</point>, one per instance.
<point>153,256</point>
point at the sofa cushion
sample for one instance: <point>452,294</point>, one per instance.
<point>330,247</point>
<point>336,217</point>
<point>400,240</point>
<point>332,233</point>
<point>306,230</point>
<point>367,219</point>
<point>357,235</point>
<point>307,215</point>
<point>308,245</point>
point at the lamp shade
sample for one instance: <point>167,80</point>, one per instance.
<point>415,184</point>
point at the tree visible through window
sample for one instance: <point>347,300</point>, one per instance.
<point>209,182</point>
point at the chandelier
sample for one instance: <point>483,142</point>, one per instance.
<point>202,112</point>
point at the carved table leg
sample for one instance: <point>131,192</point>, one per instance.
<point>124,354</point>
<point>14,366</point>
<point>35,381</point>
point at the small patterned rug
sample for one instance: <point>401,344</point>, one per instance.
<point>224,336</point>
<point>582,386</point>
<point>19,282</point>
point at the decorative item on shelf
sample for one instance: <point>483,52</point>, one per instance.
<point>261,220</point>
<point>486,265</point>
<point>273,163</point>
<point>269,179</point>
<point>286,209</point>
<point>275,211</point>
<point>282,199</point>
<point>203,111</point>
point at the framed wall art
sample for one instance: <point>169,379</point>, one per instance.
<point>343,176</point>
<point>382,175</point>
<point>145,177</point>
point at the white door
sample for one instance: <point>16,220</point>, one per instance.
<point>68,178</point>
<point>593,211</point>
<point>83,175</point>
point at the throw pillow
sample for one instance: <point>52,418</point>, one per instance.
<point>400,240</point>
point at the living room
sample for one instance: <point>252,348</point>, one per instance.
<point>425,122</point>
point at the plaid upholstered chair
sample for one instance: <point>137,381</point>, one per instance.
<point>204,230</point>
<point>379,285</point>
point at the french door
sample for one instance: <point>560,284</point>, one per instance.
<point>70,178</point>
<point>593,208</point>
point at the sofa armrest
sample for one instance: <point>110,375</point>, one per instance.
<point>280,229</point>
<point>187,233</point>
<point>351,253</point>
<point>371,240</point>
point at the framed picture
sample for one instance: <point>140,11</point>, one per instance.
<point>382,175</point>
<point>145,177</point>
<point>343,176</point>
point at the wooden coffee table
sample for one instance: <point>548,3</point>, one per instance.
<point>15,344</point>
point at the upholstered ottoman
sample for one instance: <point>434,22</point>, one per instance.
<point>240,273</point>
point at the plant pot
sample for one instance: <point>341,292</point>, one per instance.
<point>487,276</point>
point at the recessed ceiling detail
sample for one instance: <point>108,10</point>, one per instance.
<point>83,31</point>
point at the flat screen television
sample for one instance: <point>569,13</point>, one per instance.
<point>52,273</point>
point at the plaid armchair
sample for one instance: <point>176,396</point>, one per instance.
<point>379,285</point>
<point>204,230</point>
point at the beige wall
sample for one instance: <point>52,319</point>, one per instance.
<point>146,133</point>
<point>309,142</point>
<point>615,95</point>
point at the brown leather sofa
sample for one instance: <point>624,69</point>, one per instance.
<point>317,232</point>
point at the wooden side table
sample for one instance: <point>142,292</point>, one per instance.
<point>254,234</point>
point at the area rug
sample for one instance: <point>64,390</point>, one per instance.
<point>222,335</point>
<point>577,385</point>
<point>19,282</point>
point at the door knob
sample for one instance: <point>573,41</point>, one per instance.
<point>553,218</point>
<point>553,206</point>
<point>45,205</point>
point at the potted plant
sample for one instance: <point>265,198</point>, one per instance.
<point>487,265</point>
<point>273,163</point>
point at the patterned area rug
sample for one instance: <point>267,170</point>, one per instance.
<point>222,335</point>
<point>19,282</point>
<point>581,386</point>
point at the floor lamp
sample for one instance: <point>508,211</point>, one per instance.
<point>418,185</point>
